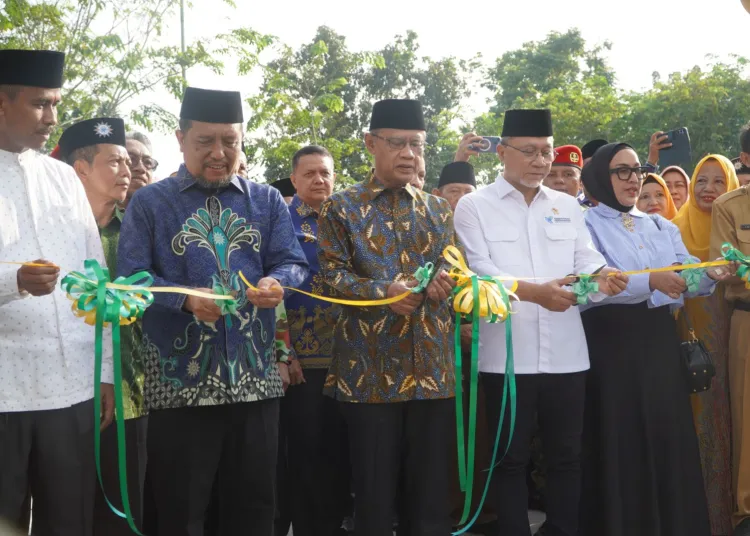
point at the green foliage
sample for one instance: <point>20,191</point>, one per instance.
<point>713,104</point>
<point>112,53</point>
<point>323,93</point>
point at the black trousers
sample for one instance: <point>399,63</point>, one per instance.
<point>233,445</point>
<point>106,522</point>
<point>318,458</point>
<point>383,438</point>
<point>51,454</point>
<point>557,402</point>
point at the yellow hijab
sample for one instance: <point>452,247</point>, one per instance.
<point>694,223</point>
<point>671,211</point>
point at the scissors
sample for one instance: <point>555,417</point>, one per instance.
<point>577,278</point>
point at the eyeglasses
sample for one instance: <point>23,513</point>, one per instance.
<point>624,173</point>
<point>548,155</point>
<point>397,144</point>
<point>149,163</point>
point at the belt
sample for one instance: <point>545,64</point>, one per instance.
<point>742,306</point>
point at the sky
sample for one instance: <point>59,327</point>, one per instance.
<point>647,35</point>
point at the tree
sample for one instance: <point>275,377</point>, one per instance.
<point>307,97</point>
<point>323,93</point>
<point>105,69</point>
<point>713,104</point>
<point>539,67</point>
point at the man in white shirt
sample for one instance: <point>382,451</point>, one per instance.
<point>518,228</point>
<point>46,353</point>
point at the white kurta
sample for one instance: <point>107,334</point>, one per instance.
<point>503,236</point>
<point>46,352</point>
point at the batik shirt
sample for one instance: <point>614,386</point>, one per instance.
<point>311,321</point>
<point>130,335</point>
<point>368,237</point>
<point>186,235</point>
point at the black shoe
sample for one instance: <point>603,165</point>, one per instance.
<point>743,529</point>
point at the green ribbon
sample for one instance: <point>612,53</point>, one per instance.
<point>734,255</point>
<point>692,277</point>
<point>466,453</point>
<point>583,288</point>
<point>228,307</point>
<point>423,275</point>
<point>92,297</point>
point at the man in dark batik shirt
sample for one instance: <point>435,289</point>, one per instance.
<point>392,367</point>
<point>212,384</point>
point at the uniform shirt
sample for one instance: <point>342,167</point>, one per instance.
<point>185,235</point>
<point>368,237</point>
<point>636,241</point>
<point>46,352</point>
<point>311,321</point>
<point>130,335</point>
<point>547,240</point>
<point>731,223</point>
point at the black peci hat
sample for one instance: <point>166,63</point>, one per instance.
<point>32,68</point>
<point>403,114</point>
<point>527,123</point>
<point>211,106</point>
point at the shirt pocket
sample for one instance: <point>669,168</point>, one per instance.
<point>561,244</point>
<point>505,246</point>
<point>743,241</point>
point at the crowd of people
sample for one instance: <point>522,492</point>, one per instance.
<point>275,409</point>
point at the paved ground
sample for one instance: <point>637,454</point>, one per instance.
<point>535,521</point>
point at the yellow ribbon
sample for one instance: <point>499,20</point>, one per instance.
<point>356,303</point>
<point>677,268</point>
<point>490,300</point>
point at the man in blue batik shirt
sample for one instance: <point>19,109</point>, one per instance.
<point>212,384</point>
<point>317,450</point>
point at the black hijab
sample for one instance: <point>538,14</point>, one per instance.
<point>598,180</point>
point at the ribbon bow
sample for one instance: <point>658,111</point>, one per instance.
<point>476,297</point>
<point>472,289</point>
<point>90,293</point>
<point>692,276</point>
<point>423,275</point>
<point>227,307</point>
<point>583,287</point>
<point>732,254</point>
<point>101,304</point>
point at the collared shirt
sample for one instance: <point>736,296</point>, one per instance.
<point>546,240</point>
<point>311,321</point>
<point>185,235</point>
<point>130,335</point>
<point>731,223</point>
<point>636,241</point>
<point>46,352</point>
<point>368,237</point>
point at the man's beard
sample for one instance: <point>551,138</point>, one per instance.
<point>531,184</point>
<point>204,183</point>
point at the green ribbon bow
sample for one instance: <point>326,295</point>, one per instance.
<point>423,275</point>
<point>101,305</point>
<point>692,276</point>
<point>734,255</point>
<point>583,288</point>
<point>228,307</point>
<point>466,453</point>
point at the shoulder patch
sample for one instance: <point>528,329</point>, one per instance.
<point>739,193</point>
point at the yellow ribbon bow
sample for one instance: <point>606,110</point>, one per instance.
<point>491,303</point>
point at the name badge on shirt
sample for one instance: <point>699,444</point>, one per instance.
<point>554,218</point>
<point>745,227</point>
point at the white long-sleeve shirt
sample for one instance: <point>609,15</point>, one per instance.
<point>46,352</point>
<point>548,239</point>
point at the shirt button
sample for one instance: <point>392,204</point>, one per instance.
<point>640,247</point>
